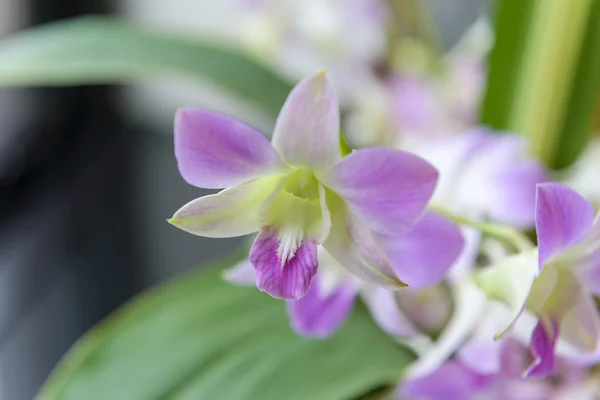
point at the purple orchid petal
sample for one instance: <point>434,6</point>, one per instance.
<point>451,381</point>
<point>289,281</point>
<point>515,185</point>
<point>450,155</point>
<point>234,211</point>
<point>464,164</point>
<point>482,355</point>
<point>320,314</point>
<point>216,151</point>
<point>486,175</point>
<point>481,352</point>
<point>417,104</point>
<point>388,188</point>
<point>514,357</point>
<point>423,255</point>
<point>308,127</point>
<point>543,344</point>
<point>385,310</point>
<point>353,246</point>
<point>242,274</point>
<point>499,180</point>
<point>563,218</point>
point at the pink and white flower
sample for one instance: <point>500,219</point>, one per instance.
<point>454,380</point>
<point>298,192</point>
<point>559,287</point>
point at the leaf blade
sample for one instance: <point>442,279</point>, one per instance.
<point>95,50</point>
<point>200,338</point>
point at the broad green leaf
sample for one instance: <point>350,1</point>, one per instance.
<point>92,50</point>
<point>200,338</point>
<point>544,75</point>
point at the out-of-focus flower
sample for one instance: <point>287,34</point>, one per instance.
<point>409,108</point>
<point>300,36</point>
<point>456,381</point>
<point>429,107</point>
<point>404,103</point>
<point>583,176</point>
<point>418,108</point>
<point>485,176</point>
<point>421,257</point>
<point>298,191</point>
<point>368,123</point>
<point>426,105</point>
<point>568,265</point>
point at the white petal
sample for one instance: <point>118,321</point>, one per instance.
<point>308,127</point>
<point>235,211</point>
<point>470,303</point>
<point>510,282</point>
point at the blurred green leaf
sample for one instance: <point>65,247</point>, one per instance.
<point>512,18</point>
<point>201,338</point>
<point>544,75</point>
<point>579,121</point>
<point>93,50</point>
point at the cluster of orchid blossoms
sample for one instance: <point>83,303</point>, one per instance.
<point>430,239</point>
<point>429,222</point>
<point>380,93</point>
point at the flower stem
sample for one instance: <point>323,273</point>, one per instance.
<point>503,233</point>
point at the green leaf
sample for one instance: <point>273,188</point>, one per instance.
<point>511,25</point>
<point>92,50</point>
<point>544,75</point>
<point>201,338</point>
<point>578,125</point>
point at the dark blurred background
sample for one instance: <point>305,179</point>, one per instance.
<point>87,179</point>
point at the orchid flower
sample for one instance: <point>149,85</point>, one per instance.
<point>298,191</point>
<point>558,288</point>
<point>456,381</point>
<point>333,291</point>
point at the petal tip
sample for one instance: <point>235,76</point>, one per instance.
<point>398,284</point>
<point>181,114</point>
<point>290,295</point>
<point>178,223</point>
<point>173,221</point>
<point>321,83</point>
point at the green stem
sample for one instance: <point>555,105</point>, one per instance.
<point>503,233</point>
